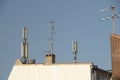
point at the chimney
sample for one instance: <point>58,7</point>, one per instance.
<point>49,59</point>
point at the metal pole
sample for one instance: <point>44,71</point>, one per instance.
<point>113,19</point>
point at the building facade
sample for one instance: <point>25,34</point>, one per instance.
<point>115,55</point>
<point>27,69</point>
<point>55,71</point>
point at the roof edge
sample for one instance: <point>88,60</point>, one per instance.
<point>18,62</point>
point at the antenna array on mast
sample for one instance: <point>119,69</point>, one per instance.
<point>74,50</point>
<point>24,45</point>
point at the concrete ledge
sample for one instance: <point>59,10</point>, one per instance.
<point>18,62</point>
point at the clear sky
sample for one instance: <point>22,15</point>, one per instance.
<point>75,20</point>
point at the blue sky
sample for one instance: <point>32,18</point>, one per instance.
<point>75,20</point>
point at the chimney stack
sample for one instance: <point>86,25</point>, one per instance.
<point>49,59</point>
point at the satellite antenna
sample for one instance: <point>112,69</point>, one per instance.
<point>51,24</point>
<point>74,50</point>
<point>112,17</point>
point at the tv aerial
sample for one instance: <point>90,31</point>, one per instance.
<point>112,17</point>
<point>51,25</point>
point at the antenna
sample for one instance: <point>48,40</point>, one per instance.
<point>24,44</point>
<point>112,17</point>
<point>51,24</point>
<point>74,50</point>
<point>24,33</point>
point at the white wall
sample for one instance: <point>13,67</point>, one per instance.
<point>51,72</point>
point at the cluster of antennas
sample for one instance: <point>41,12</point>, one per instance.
<point>24,46</point>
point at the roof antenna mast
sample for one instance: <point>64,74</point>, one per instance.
<point>112,17</point>
<point>51,24</point>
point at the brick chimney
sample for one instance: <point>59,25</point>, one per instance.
<point>49,59</point>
